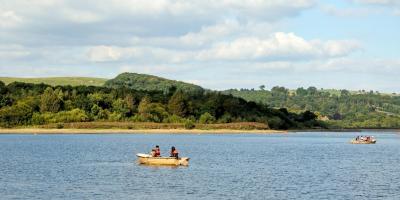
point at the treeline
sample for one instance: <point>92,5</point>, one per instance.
<point>25,104</point>
<point>340,108</point>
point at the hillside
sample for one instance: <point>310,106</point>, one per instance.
<point>340,108</point>
<point>343,108</point>
<point>53,81</point>
<point>23,104</point>
<point>150,83</point>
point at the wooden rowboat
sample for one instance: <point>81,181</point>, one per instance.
<point>147,159</point>
<point>362,142</point>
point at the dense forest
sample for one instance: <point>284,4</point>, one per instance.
<point>150,83</point>
<point>28,104</point>
<point>132,97</point>
<point>338,108</point>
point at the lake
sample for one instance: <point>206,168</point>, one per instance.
<point>225,166</point>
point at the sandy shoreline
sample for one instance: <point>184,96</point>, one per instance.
<point>131,131</point>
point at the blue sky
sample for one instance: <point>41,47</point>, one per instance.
<point>351,44</point>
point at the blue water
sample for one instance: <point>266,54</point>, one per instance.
<point>237,166</point>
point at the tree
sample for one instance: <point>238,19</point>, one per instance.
<point>152,112</point>
<point>130,103</point>
<point>143,106</point>
<point>344,93</point>
<point>206,118</point>
<point>50,100</point>
<point>3,88</point>
<point>307,116</point>
<point>262,87</point>
<point>312,90</point>
<point>120,106</point>
<point>301,92</point>
<point>178,105</point>
<point>18,114</point>
<point>95,110</point>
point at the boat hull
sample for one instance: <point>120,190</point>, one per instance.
<point>146,159</point>
<point>363,142</point>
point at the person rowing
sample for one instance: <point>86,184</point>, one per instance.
<point>156,152</point>
<point>174,152</point>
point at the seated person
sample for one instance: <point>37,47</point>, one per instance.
<point>158,152</point>
<point>153,153</point>
<point>174,152</point>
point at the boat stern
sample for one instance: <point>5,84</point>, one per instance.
<point>184,161</point>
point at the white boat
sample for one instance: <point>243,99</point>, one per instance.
<point>364,140</point>
<point>147,159</point>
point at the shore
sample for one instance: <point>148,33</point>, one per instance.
<point>133,131</point>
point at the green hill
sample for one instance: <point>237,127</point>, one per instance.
<point>343,108</point>
<point>150,83</point>
<point>26,104</point>
<point>74,81</point>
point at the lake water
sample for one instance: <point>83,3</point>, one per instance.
<point>229,166</point>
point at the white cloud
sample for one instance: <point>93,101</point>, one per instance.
<point>349,12</point>
<point>183,39</point>
<point>9,19</point>
<point>279,46</point>
<point>212,8</point>
<point>143,11</point>
<point>379,2</point>
<point>394,5</point>
<point>80,16</point>
<point>104,53</point>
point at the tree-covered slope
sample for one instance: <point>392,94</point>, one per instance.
<point>53,81</point>
<point>343,108</point>
<point>27,104</point>
<point>150,83</point>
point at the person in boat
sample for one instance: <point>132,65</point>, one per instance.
<point>155,152</point>
<point>174,152</point>
<point>158,152</point>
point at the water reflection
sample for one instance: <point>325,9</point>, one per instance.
<point>161,166</point>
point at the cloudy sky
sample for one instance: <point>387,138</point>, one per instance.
<point>218,44</point>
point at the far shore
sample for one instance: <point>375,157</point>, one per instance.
<point>133,131</point>
<point>172,131</point>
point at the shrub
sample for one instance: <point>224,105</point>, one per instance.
<point>189,124</point>
<point>38,119</point>
<point>206,118</point>
<point>226,118</point>
<point>138,118</point>
<point>19,114</point>
<point>60,126</point>
<point>114,116</point>
<point>174,119</point>
<point>103,114</point>
<point>75,115</point>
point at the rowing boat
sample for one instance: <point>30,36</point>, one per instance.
<point>362,142</point>
<point>147,159</point>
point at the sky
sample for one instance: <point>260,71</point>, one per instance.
<point>218,44</point>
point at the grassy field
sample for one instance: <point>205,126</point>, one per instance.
<point>74,81</point>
